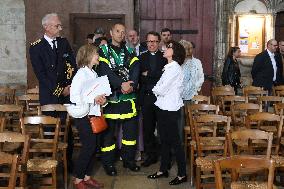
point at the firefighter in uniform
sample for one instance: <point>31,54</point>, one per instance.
<point>54,65</point>
<point>121,65</point>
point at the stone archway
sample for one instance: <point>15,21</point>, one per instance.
<point>225,10</point>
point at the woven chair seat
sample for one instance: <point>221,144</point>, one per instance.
<point>279,160</point>
<point>41,165</point>
<point>209,142</point>
<point>207,162</point>
<point>249,185</point>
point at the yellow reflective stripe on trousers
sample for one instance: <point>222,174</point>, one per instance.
<point>123,116</point>
<point>104,60</point>
<point>128,142</point>
<point>108,148</point>
<point>133,60</point>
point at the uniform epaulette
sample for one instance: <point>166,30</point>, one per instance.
<point>36,42</point>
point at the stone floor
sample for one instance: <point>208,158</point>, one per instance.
<point>127,179</point>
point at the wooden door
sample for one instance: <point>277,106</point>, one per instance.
<point>192,20</point>
<point>84,23</point>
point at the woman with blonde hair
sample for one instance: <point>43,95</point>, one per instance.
<point>86,58</point>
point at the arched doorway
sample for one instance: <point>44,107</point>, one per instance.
<point>279,26</point>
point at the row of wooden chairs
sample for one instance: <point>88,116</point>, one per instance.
<point>213,109</point>
<point>21,125</point>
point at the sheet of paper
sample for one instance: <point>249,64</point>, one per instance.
<point>93,88</point>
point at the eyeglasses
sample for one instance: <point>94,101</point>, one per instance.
<point>152,41</point>
<point>57,26</point>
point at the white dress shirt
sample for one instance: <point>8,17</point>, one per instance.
<point>272,58</point>
<point>193,78</point>
<point>169,88</point>
<point>49,40</point>
<point>83,74</point>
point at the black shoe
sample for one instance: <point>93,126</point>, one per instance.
<point>177,181</point>
<point>149,161</point>
<point>132,166</point>
<point>110,170</point>
<point>155,175</point>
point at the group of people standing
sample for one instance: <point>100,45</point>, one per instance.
<point>156,77</point>
<point>267,68</point>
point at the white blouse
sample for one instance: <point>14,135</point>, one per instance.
<point>193,78</point>
<point>168,89</point>
<point>83,74</point>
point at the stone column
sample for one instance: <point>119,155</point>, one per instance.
<point>13,66</point>
<point>221,38</point>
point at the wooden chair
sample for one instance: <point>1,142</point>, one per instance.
<point>240,111</point>
<point>251,93</point>
<point>20,89</point>
<point>267,101</point>
<point>12,113</point>
<point>7,95</point>
<point>224,88</point>
<point>2,124</point>
<point>248,140</point>
<point>63,133</point>
<point>44,132</point>
<point>200,99</point>
<point>228,101</point>
<point>236,163</point>
<point>276,89</point>
<point>23,149</point>
<point>30,102</point>
<point>209,148</point>
<point>11,161</point>
<point>218,95</point>
<point>195,110</point>
<point>34,90</point>
<point>267,122</point>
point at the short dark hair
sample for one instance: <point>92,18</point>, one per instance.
<point>118,23</point>
<point>166,30</point>
<point>99,40</point>
<point>178,52</point>
<point>155,34</point>
<point>90,36</point>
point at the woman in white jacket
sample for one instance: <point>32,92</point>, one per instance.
<point>86,58</point>
<point>169,102</point>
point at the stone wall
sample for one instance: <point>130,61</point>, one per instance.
<point>13,64</point>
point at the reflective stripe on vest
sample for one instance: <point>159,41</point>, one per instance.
<point>133,60</point>
<point>128,142</point>
<point>123,116</point>
<point>104,60</point>
<point>108,148</point>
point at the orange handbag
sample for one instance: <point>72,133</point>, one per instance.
<point>98,123</point>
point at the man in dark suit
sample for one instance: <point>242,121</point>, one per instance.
<point>133,41</point>
<point>152,63</point>
<point>54,65</point>
<point>267,68</point>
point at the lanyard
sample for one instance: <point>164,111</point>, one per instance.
<point>119,59</point>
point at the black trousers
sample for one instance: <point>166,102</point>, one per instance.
<point>170,139</point>
<point>129,140</point>
<point>149,118</point>
<point>85,162</point>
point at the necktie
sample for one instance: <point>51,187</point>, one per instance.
<point>54,48</point>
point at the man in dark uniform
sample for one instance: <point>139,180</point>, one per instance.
<point>152,63</point>
<point>54,66</point>
<point>121,65</point>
